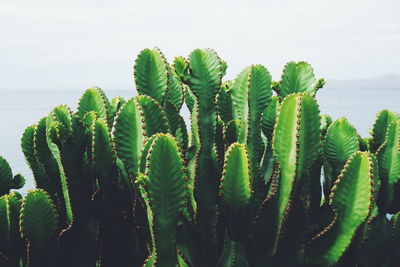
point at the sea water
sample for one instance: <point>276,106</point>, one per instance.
<point>19,109</point>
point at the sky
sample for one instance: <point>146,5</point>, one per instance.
<point>72,45</point>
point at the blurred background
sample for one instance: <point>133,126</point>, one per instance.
<point>50,51</point>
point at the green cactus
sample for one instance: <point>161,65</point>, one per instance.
<point>124,183</point>
<point>39,225</point>
<point>7,181</point>
<point>352,199</point>
<point>388,155</point>
<point>235,190</point>
<point>11,243</point>
<point>251,94</point>
<point>205,80</point>
<point>163,187</point>
<point>341,141</point>
<point>379,129</point>
<point>298,77</point>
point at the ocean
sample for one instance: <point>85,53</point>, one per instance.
<point>19,109</point>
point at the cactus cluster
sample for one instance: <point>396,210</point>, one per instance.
<point>260,179</point>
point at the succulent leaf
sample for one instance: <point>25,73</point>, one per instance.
<point>152,74</point>
<point>351,199</point>
<point>389,167</point>
<point>205,81</point>
<point>54,124</point>
<point>18,181</point>
<point>39,225</point>
<point>104,157</point>
<point>378,132</point>
<point>235,182</point>
<point>298,77</point>
<point>6,182</point>
<point>341,141</point>
<point>181,68</point>
<point>163,187</point>
<point>295,145</point>
<point>128,134</point>
<point>95,100</point>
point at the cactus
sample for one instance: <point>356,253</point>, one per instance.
<point>351,199</point>
<point>39,224</point>
<point>124,183</point>
<point>7,180</point>
<point>163,187</point>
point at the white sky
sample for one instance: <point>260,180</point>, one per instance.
<point>76,44</point>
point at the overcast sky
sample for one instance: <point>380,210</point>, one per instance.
<point>76,44</point>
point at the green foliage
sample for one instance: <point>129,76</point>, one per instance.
<point>163,187</point>
<point>39,225</point>
<point>351,199</point>
<point>125,183</point>
<point>298,77</point>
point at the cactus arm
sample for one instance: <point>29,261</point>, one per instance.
<point>205,81</point>
<point>352,200</point>
<point>389,167</point>
<point>235,182</point>
<point>191,159</point>
<point>54,132</point>
<point>298,77</point>
<point>251,93</point>
<point>104,157</point>
<point>235,190</point>
<point>259,94</point>
<point>18,181</point>
<point>128,134</point>
<point>341,141</point>
<point>116,221</point>
<point>95,100</point>
<point>115,104</point>
<point>11,243</point>
<point>181,68</point>
<point>152,74</point>
<point>46,158</point>
<point>296,145</point>
<point>326,121</point>
<point>240,100</point>
<point>39,226</point>
<point>5,177</point>
<point>379,129</point>
<point>27,145</point>
<point>163,188</point>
